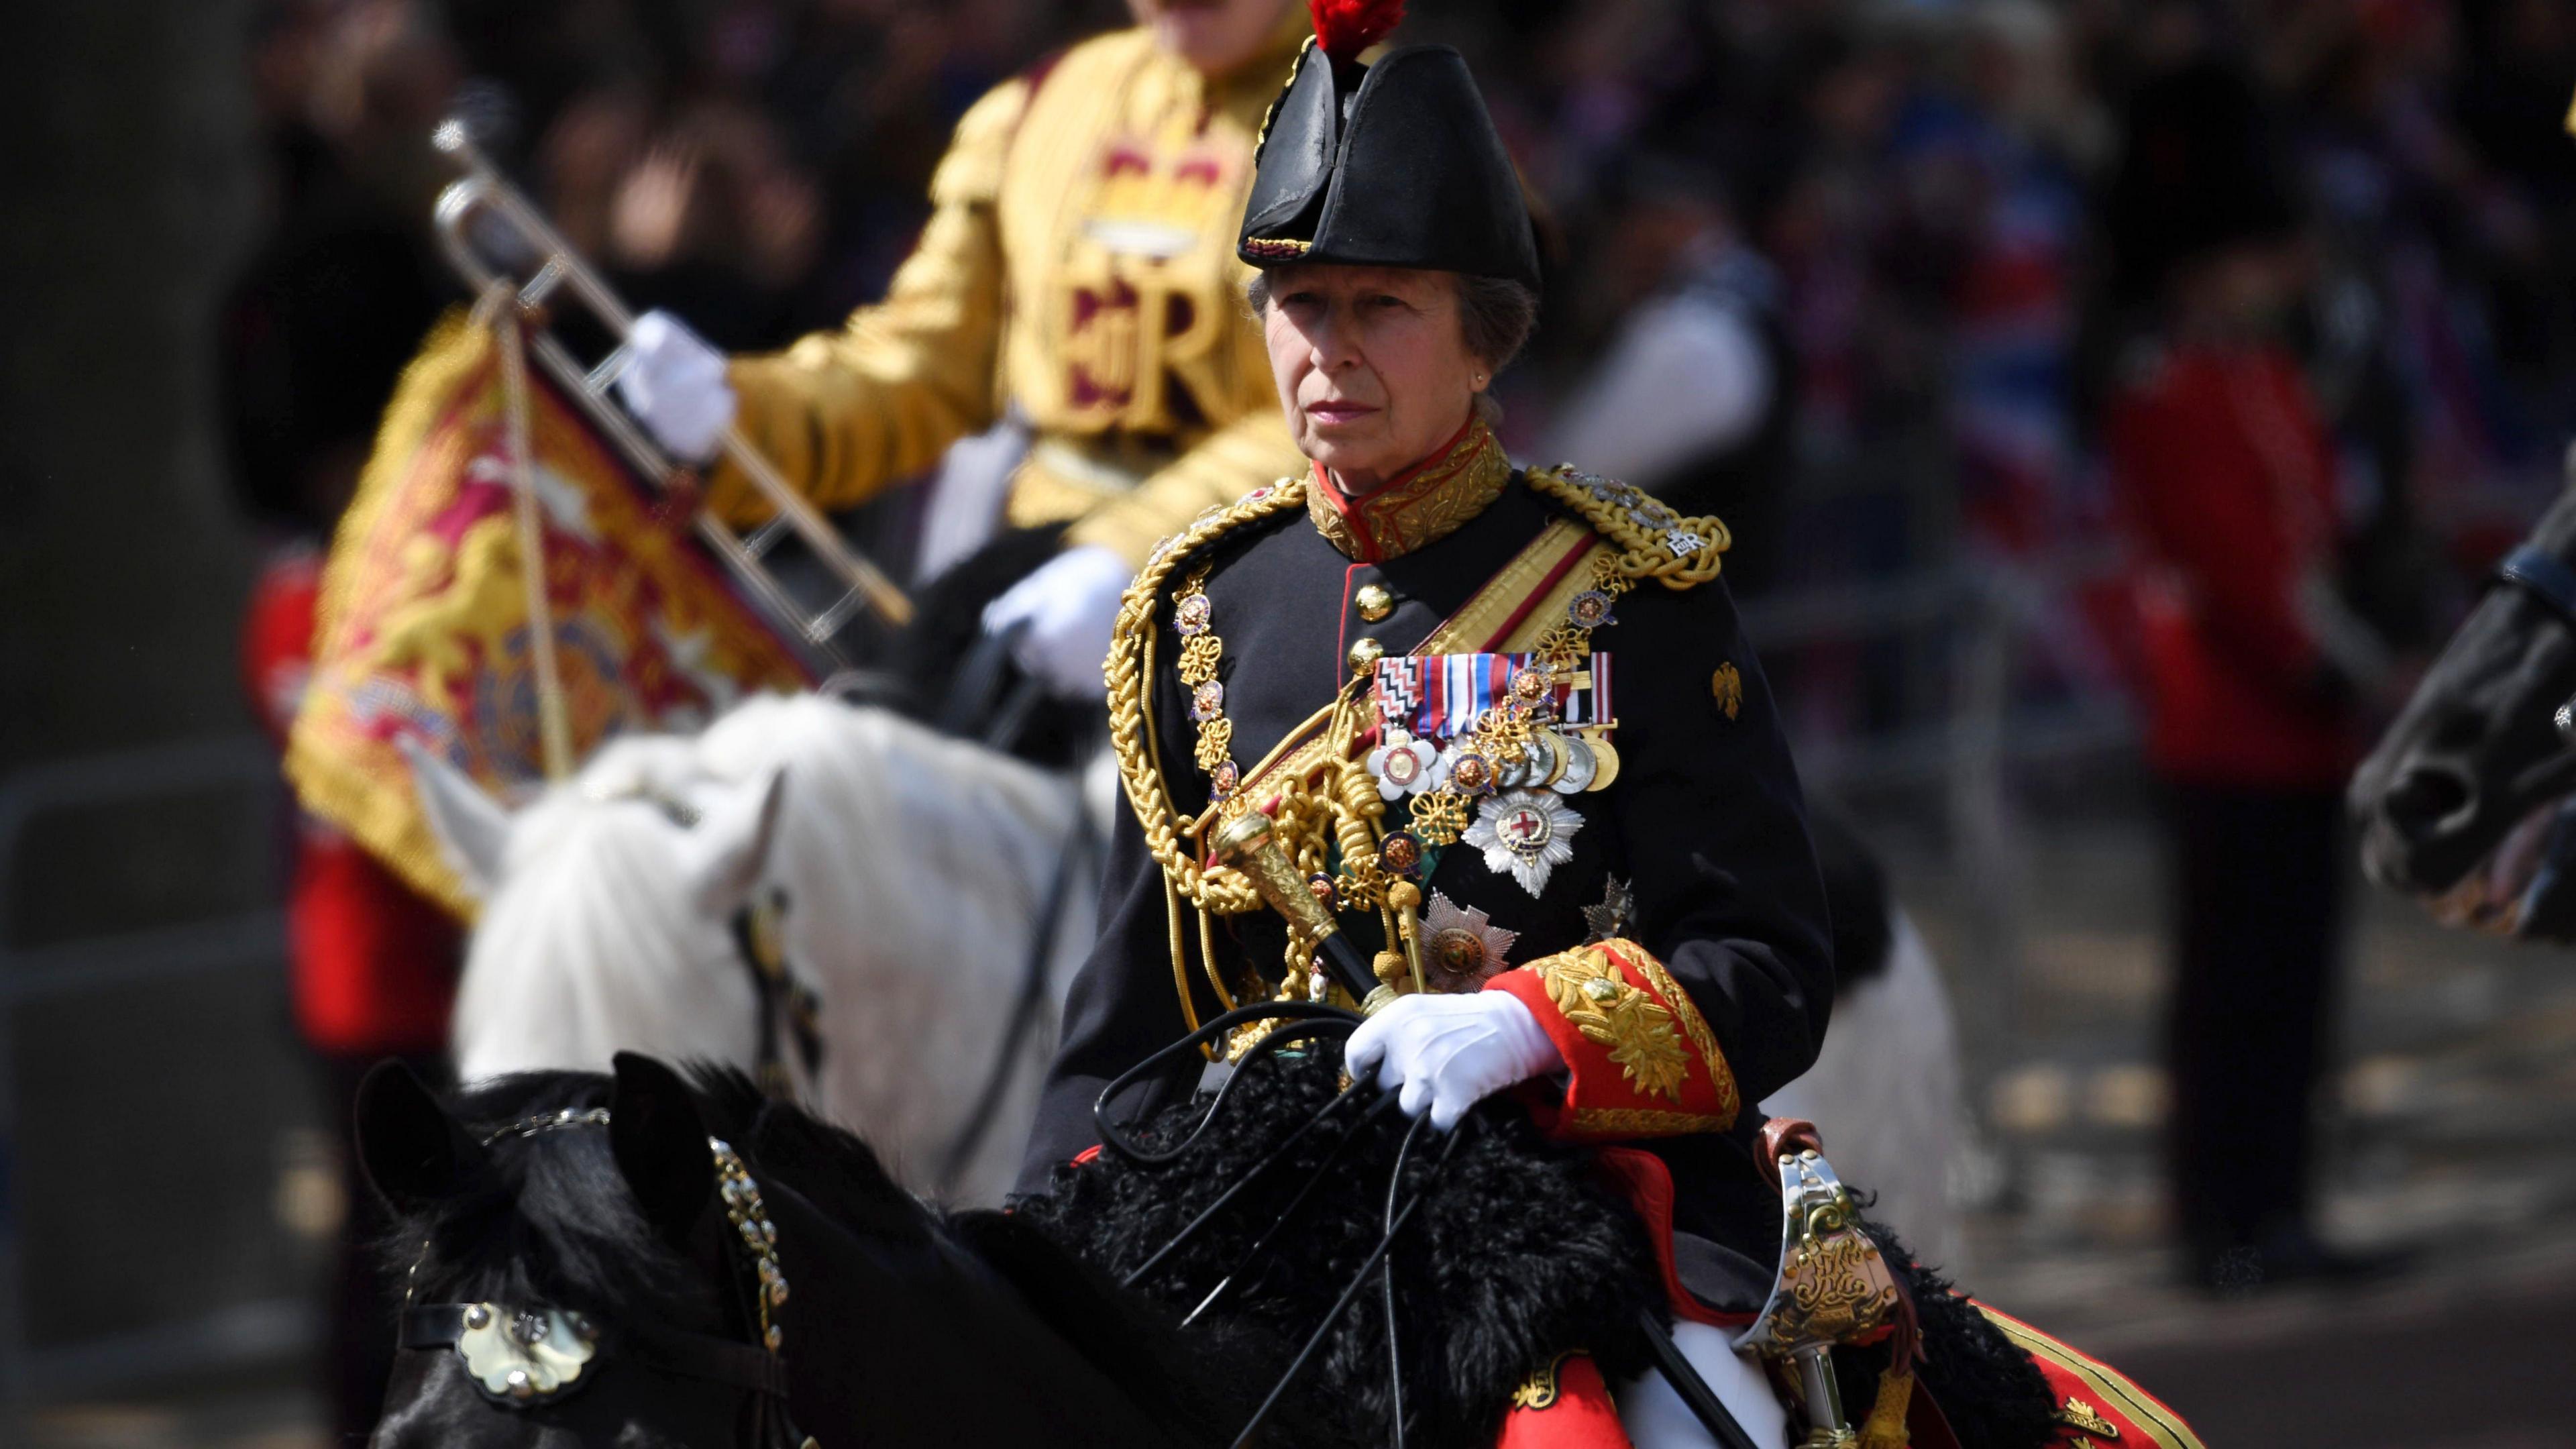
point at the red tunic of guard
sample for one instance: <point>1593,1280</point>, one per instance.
<point>2226,471</point>
<point>373,962</point>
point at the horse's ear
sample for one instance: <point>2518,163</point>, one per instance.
<point>473,829</point>
<point>414,1152</point>
<point>660,1140</point>
<point>729,845</point>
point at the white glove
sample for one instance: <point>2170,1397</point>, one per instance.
<point>675,385</point>
<point>1069,606</point>
<point>1449,1052</point>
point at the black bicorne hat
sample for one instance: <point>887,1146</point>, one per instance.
<point>1390,165</point>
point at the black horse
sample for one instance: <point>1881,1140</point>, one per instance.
<point>2461,800</point>
<point>604,1216</point>
<point>573,1195</point>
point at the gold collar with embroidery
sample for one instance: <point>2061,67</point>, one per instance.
<point>1430,501</point>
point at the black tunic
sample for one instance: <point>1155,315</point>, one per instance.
<point>1705,818</point>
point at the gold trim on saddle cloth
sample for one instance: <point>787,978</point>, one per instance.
<point>2162,1428</point>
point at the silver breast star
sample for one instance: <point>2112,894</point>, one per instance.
<point>1610,918</point>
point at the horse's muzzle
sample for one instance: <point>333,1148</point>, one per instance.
<point>2426,829</point>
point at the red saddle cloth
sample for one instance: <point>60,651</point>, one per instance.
<point>2098,1407</point>
<point>1571,1407</point>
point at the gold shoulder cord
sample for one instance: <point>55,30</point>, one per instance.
<point>1128,673</point>
<point>1654,542</point>
<point>1340,810</point>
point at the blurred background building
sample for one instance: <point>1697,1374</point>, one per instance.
<point>1881,242</point>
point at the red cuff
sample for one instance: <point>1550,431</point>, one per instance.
<point>1563,1406</point>
<point>1640,1060</point>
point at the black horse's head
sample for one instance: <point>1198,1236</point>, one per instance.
<point>573,1228</point>
<point>567,1282</point>
<point>2455,801</point>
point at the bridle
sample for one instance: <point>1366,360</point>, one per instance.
<point>789,1012</point>
<point>525,1356</point>
<point>784,1000</point>
<point>2545,577</point>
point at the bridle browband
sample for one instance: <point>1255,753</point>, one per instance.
<point>758,1368</point>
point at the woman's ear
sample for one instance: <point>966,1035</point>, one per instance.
<point>660,1142</point>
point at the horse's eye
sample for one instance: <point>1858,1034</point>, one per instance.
<point>679,813</point>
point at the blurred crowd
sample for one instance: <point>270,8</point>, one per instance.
<point>1918,191</point>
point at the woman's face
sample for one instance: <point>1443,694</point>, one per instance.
<point>1372,366</point>
<point>1211,36</point>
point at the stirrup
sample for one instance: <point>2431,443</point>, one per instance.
<point>1833,1287</point>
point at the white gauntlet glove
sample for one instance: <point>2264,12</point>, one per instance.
<point>675,385</point>
<point>1069,606</point>
<point>1450,1052</point>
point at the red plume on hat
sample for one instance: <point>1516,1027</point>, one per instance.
<point>1344,28</point>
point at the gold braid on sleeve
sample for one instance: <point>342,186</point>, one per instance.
<point>1128,673</point>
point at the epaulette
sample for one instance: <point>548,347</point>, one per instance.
<point>1652,540</point>
<point>1128,675</point>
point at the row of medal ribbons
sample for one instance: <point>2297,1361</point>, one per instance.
<point>1441,696</point>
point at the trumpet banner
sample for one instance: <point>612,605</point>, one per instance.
<point>423,630</point>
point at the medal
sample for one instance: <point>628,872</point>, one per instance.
<point>1580,766</point>
<point>1404,765</point>
<point>1400,853</point>
<point>1471,772</point>
<point>1525,834</point>
<point>1611,917</point>
<point>1605,757</point>
<point>1461,948</point>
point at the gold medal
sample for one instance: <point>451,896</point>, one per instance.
<point>1605,759</point>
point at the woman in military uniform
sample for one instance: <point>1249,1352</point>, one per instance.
<point>1590,884</point>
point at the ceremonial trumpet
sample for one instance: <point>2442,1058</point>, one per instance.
<point>483,199</point>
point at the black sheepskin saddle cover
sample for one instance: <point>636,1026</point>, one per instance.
<point>1517,1253</point>
<point>1991,1393</point>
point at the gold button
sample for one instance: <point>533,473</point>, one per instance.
<point>1375,602</point>
<point>1365,654</point>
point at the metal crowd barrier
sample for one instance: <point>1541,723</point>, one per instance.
<point>260,1329</point>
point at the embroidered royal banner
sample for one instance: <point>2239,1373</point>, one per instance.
<point>423,630</point>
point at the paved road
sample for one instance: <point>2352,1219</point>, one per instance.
<point>2487,1363</point>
